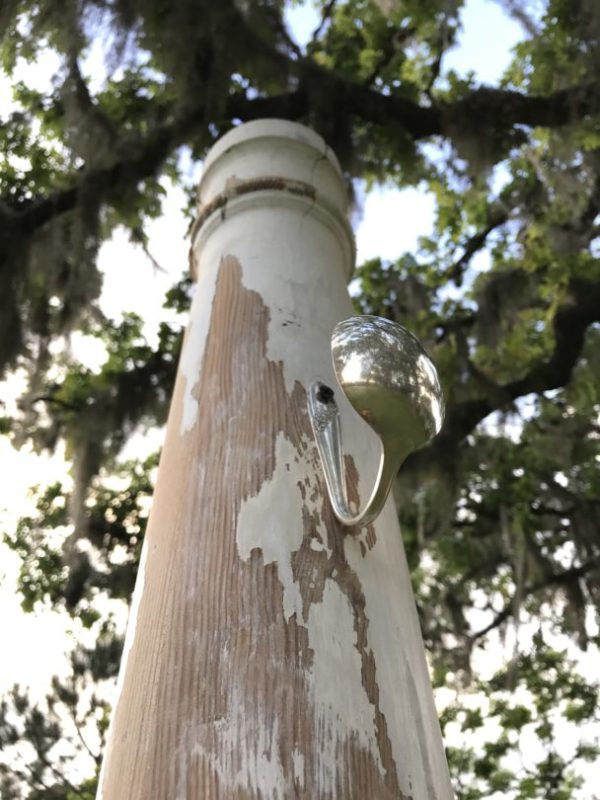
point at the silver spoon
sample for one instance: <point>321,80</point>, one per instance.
<point>392,383</point>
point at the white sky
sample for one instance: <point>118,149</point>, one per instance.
<point>392,221</point>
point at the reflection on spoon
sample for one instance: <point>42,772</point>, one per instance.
<point>392,383</point>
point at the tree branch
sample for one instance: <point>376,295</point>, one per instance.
<point>501,108</point>
<point>497,218</point>
<point>93,134</point>
<point>571,321</point>
<point>484,109</point>
<point>444,41</point>
<point>325,16</point>
<point>396,38</point>
<point>149,156</point>
<point>558,579</point>
<point>73,711</point>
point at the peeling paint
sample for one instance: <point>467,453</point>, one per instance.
<point>194,345</point>
<point>295,285</point>
<point>298,762</point>
<point>336,672</point>
<point>289,339</point>
<point>272,646</point>
<point>340,700</point>
<point>403,683</point>
<point>235,187</point>
<point>265,522</point>
<point>246,757</point>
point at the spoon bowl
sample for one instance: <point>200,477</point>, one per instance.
<point>389,380</point>
<point>392,383</point>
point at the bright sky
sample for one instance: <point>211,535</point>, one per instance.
<point>392,221</point>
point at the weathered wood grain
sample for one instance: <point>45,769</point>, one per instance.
<point>272,654</point>
<point>235,704</point>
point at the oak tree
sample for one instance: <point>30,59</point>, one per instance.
<point>501,513</point>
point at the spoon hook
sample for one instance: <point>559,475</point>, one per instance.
<point>325,419</point>
<point>392,383</point>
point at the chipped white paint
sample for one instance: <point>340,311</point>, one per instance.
<point>342,707</point>
<point>265,522</point>
<point>194,344</point>
<point>402,675</point>
<point>298,762</point>
<point>272,521</point>
<point>247,755</point>
<point>296,252</point>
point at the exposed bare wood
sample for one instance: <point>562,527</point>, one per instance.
<point>273,652</point>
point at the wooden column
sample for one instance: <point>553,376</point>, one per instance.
<point>271,653</point>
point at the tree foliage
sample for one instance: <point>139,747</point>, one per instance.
<point>501,512</point>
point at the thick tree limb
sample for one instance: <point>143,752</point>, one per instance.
<point>147,158</point>
<point>570,324</point>
<point>571,321</point>
<point>482,111</point>
<point>483,108</point>
<point>486,108</point>
<point>124,173</point>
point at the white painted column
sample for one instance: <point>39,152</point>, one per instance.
<point>273,653</point>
